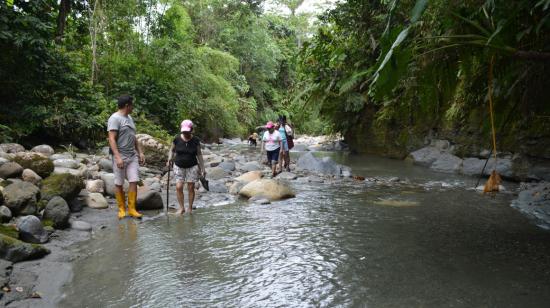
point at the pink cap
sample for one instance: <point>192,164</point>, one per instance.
<point>186,126</point>
<point>269,125</point>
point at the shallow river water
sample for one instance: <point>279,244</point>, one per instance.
<point>431,242</point>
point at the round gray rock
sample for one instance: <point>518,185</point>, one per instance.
<point>58,211</point>
<point>10,170</point>
<point>66,163</point>
<point>227,166</point>
<point>149,200</point>
<point>96,201</point>
<point>5,214</point>
<point>106,165</point>
<point>81,225</point>
<point>31,230</point>
<point>21,197</point>
<point>12,147</point>
<point>216,173</point>
<point>44,149</point>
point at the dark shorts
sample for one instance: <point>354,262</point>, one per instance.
<point>273,155</point>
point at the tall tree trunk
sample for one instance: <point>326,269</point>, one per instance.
<point>64,10</point>
<point>94,24</point>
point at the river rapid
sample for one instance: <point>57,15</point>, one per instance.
<point>423,240</point>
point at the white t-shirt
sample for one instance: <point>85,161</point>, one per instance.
<point>271,140</point>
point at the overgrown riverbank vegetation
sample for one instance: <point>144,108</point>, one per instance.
<point>384,73</point>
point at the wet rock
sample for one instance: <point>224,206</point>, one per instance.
<point>286,176</point>
<point>324,165</point>
<point>217,187</point>
<point>38,163</point>
<point>472,166</point>
<point>227,166</point>
<point>425,156</point>
<point>31,230</point>
<point>5,214</point>
<point>31,177</point>
<point>66,186</point>
<point>534,202</point>
<point>216,173</point>
<point>21,198</point>
<point>149,200</point>
<point>43,149</point>
<point>236,187</point>
<point>66,163</point>
<point>12,148</point>
<point>447,163</point>
<point>10,170</point>
<point>16,251</point>
<point>58,211</point>
<point>271,189</point>
<point>95,186</point>
<point>81,225</point>
<point>251,166</point>
<point>250,176</point>
<point>61,156</point>
<point>106,165</point>
<point>96,201</point>
<point>77,204</point>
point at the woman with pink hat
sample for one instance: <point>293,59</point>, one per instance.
<point>271,142</point>
<point>186,154</point>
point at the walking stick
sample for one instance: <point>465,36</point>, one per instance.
<point>168,192</point>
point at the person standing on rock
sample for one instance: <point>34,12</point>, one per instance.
<point>271,142</point>
<point>186,154</point>
<point>127,155</point>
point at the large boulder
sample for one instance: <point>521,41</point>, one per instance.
<point>5,214</point>
<point>31,177</point>
<point>95,186</point>
<point>149,200</point>
<point>36,162</point>
<point>534,202</point>
<point>109,181</point>
<point>425,156</point>
<point>11,148</point>
<point>216,173</point>
<point>21,198</point>
<point>14,250</point>
<point>66,163</point>
<point>96,201</point>
<point>31,230</point>
<point>67,186</point>
<point>58,212</point>
<point>250,176</point>
<point>106,165</point>
<point>155,150</point>
<point>447,163</point>
<point>10,170</point>
<point>324,165</point>
<point>472,166</point>
<point>270,189</point>
<point>43,149</point>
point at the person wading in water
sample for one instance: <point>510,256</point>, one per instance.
<point>271,142</point>
<point>127,155</point>
<point>188,163</point>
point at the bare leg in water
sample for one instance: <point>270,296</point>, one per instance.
<point>191,190</point>
<point>179,193</point>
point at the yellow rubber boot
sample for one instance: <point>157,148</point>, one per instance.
<point>120,202</point>
<point>132,198</point>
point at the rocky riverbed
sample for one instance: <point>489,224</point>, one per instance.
<point>49,200</point>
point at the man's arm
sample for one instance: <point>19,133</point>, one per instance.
<point>114,148</point>
<point>140,152</point>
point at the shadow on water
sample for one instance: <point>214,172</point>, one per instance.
<point>407,244</point>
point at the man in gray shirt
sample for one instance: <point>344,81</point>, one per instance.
<point>127,155</point>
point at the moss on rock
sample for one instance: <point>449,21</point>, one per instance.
<point>9,230</point>
<point>14,250</point>
<point>36,162</point>
<point>65,185</point>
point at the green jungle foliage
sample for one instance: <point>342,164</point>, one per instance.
<point>224,64</point>
<point>408,67</point>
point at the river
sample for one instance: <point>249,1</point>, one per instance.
<point>424,241</point>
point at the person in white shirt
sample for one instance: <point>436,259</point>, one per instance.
<point>271,142</point>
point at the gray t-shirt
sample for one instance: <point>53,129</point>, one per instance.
<point>126,129</point>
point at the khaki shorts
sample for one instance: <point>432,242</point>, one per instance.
<point>186,175</point>
<point>130,171</point>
